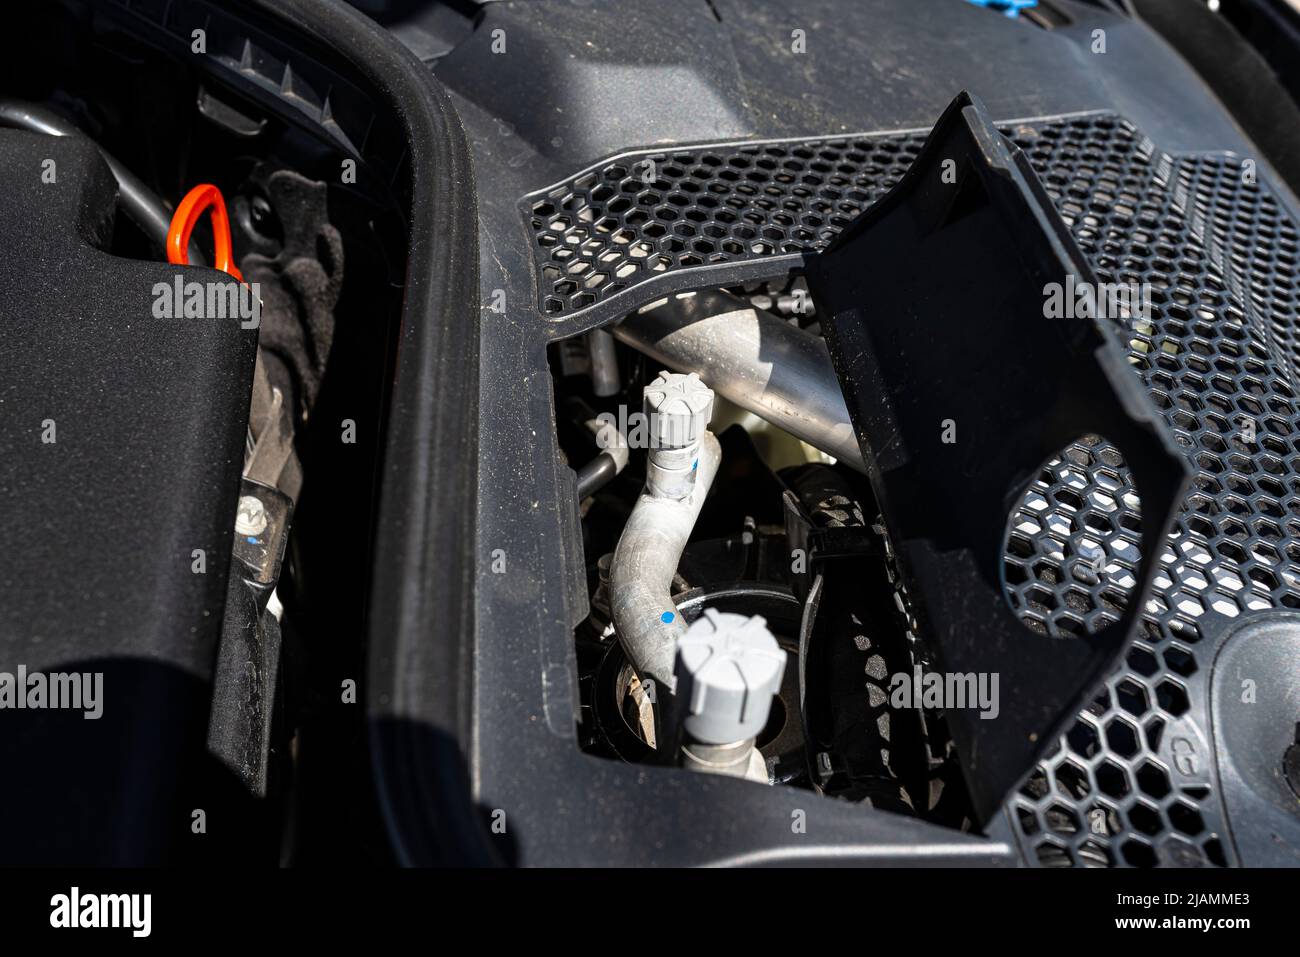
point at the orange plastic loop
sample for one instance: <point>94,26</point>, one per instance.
<point>200,198</point>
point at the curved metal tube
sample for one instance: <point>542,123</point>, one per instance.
<point>641,575</point>
<point>609,462</point>
<point>754,359</point>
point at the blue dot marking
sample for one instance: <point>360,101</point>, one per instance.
<point>1010,8</point>
<point>667,617</point>
<point>252,540</point>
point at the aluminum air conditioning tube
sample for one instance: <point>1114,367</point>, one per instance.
<point>682,466</point>
<point>752,358</point>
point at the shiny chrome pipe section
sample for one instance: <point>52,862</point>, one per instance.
<point>752,358</point>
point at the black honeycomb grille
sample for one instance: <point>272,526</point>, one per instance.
<point>639,217</point>
<point>1131,783</point>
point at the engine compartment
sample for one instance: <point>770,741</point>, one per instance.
<point>642,444</point>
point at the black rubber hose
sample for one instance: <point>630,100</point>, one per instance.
<point>141,204</point>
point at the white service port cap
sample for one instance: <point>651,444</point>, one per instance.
<point>679,407</point>
<point>728,668</point>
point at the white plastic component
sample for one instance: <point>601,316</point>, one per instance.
<point>679,407</point>
<point>728,668</point>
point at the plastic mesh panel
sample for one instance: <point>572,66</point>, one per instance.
<point>637,217</point>
<point>1127,784</point>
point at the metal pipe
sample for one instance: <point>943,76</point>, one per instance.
<point>609,462</point>
<point>641,575</point>
<point>595,475</point>
<point>752,358</point>
<point>604,363</point>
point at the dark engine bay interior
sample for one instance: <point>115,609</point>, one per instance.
<point>674,433</point>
